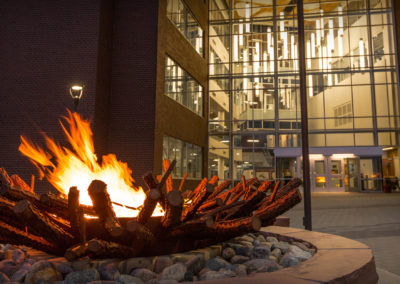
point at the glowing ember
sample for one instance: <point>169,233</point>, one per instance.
<point>77,166</point>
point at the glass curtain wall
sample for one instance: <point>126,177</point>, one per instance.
<point>254,84</point>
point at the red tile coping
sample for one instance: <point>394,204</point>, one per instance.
<point>337,260</point>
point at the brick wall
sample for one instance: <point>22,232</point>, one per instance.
<point>45,47</point>
<point>133,84</point>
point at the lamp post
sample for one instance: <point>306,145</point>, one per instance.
<point>76,92</point>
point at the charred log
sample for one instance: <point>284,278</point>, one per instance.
<point>103,207</point>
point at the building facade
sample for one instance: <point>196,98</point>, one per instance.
<point>123,52</point>
<point>352,92</point>
<point>213,84</point>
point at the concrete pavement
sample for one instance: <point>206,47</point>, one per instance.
<point>371,218</point>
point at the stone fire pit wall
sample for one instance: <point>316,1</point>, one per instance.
<point>337,260</point>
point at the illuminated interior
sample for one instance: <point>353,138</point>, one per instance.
<point>352,91</point>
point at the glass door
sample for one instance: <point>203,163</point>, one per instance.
<point>336,175</point>
<point>352,174</point>
<point>318,176</point>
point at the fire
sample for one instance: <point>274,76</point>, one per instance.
<point>77,166</point>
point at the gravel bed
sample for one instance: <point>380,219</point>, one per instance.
<point>241,256</point>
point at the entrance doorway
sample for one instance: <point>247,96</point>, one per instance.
<point>352,174</point>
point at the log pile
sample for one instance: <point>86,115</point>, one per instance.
<point>209,214</point>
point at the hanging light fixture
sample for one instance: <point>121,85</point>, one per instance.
<point>361,49</point>
<point>247,17</point>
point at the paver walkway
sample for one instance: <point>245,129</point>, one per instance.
<point>371,218</point>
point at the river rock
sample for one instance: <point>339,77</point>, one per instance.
<point>217,274</point>
<point>266,244</point>
<point>261,265</point>
<point>160,262</point>
<point>8,267</point>
<point>104,282</point>
<point>260,238</point>
<point>126,266</point>
<point>188,276</point>
<point>82,276</point>
<point>174,272</point>
<point>168,281</point>
<point>129,279</point>
<point>4,278</point>
<point>228,253</point>
<point>246,243</point>
<point>63,267</point>
<point>260,252</point>
<point>283,246</point>
<point>109,271</point>
<point>81,265</point>
<point>239,259</point>
<point>289,260</point>
<point>271,239</point>
<point>276,252</point>
<point>44,272</point>
<point>203,271</point>
<point>144,274</point>
<point>242,250</point>
<point>217,263</point>
<point>273,258</point>
<point>245,238</point>
<point>196,264</point>
<point>19,275</point>
<point>18,256</point>
<point>239,269</point>
<point>298,253</point>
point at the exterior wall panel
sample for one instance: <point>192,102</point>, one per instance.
<point>46,46</point>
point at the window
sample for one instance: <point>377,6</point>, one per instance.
<point>181,87</point>
<point>189,157</point>
<point>184,21</point>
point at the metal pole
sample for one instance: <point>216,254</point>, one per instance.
<point>304,118</point>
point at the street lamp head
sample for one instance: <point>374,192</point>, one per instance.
<point>76,92</point>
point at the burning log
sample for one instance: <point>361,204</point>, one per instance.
<point>278,207</point>
<point>221,187</point>
<point>104,249</point>
<point>203,193</point>
<point>173,202</point>
<point>192,227</point>
<point>59,205</point>
<point>7,213</point>
<point>17,236</point>
<point>19,182</point>
<point>173,209</point>
<point>197,189</point>
<point>215,213</point>
<point>211,204</point>
<point>140,233</point>
<point>245,209</point>
<point>11,192</point>
<point>76,216</point>
<point>39,222</point>
<point>152,196</point>
<point>182,182</point>
<point>102,205</point>
<point>238,226</point>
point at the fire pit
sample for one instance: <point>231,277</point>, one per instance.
<point>100,212</point>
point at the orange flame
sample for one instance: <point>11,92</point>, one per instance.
<point>78,166</point>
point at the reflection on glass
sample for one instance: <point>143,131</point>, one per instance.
<point>181,87</point>
<point>189,157</point>
<point>184,21</point>
<point>336,167</point>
